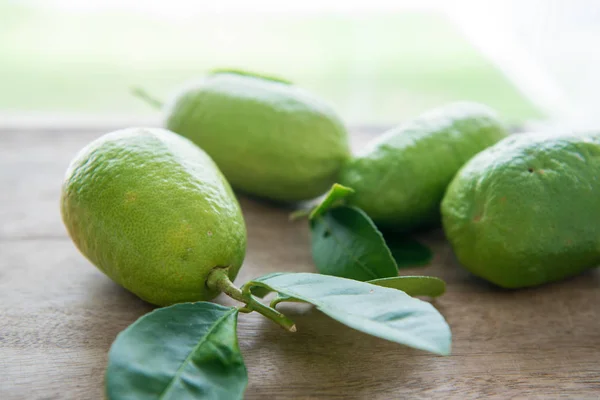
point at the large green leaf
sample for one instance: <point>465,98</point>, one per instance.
<point>186,351</point>
<point>414,285</point>
<point>383,312</point>
<point>407,251</point>
<point>346,243</point>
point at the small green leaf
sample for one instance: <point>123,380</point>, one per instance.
<point>186,351</point>
<point>299,214</point>
<point>346,243</point>
<point>414,285</point>
<point>407,252</point>
<point>333,198</point>
<point>379,311</point>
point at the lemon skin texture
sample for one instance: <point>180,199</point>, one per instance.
<point>270,138</point>
<point>401,177</point>
<point>152,211</point>
<point>525,211</point>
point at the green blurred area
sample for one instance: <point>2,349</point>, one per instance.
<point>375,68</point>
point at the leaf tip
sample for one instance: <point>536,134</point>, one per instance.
<point>446,351</point>
<point>342,187</point>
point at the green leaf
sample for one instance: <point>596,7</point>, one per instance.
<point>346,243</point>
<point>379,311</point>
<point>414,285</point>
<point>299,214</point>
<point>407,252</point>
<point>186,351</point>
<point>333,198</point>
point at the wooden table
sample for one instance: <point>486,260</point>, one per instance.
<point>59,315</point>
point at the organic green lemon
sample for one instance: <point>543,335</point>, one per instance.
<point>525,211</point>
<point>152,211</point>
<point>269,137</point>
<point>401,176</point>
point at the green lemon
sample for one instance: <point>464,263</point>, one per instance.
<point>401,176</point>
<point>152,211</point>
<point>525,211</point>
<point>270,138</point>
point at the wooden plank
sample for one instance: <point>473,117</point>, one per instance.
<point>59,315</point>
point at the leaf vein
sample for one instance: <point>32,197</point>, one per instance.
<point>177,374</point>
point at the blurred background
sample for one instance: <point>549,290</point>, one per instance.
<point>378,62</point>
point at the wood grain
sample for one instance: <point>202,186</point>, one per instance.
<point>59,315</point>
